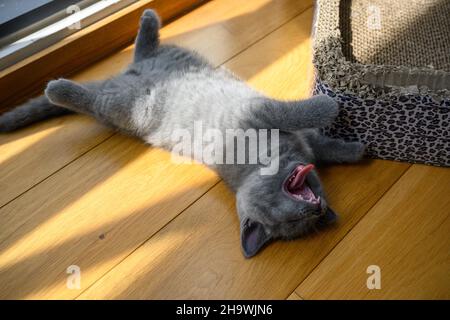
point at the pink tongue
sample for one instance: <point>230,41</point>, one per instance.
<point>300,176</point>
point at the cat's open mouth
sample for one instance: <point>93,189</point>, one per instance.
<point>297,186</point>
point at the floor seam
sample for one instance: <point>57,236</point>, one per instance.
<point>45,179</point>
<point>57,170</point>
<point>265,36</point>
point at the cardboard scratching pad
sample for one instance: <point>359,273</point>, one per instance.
<point>387,63</point>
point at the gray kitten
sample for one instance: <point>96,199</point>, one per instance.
<point>167,88</point>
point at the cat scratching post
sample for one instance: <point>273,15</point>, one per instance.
<point>387,63</point>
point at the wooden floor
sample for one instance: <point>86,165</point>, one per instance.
<point>140,226</point>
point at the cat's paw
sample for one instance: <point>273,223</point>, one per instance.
<point>325,109</point>
<point>150,20</point>
<point>354,151</point>
<point>66,93</point>
<point>58,91</point>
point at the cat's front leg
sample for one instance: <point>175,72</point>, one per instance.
<point>328,150</point>
<point>316,112</point>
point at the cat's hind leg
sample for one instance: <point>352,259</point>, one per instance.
<point>328,150</point>
<point>147,40</point>
<point>115,106</point>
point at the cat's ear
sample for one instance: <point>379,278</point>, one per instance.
<point>253,237</point>
<point>328,218</point>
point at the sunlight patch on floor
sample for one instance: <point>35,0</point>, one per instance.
<point>213,17</point>
<point>15,143</point>
<point>161,249</point>
<point>81,218</point>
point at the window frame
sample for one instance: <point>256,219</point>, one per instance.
<point>55,27</point>
<point>19,26</point>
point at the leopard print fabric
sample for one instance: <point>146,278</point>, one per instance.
<point>412,128</point>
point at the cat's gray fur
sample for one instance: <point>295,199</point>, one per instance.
<point>167,88</point>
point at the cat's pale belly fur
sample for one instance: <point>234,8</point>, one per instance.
<point>220,107</point>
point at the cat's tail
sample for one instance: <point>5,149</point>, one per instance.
<point>34,110</point>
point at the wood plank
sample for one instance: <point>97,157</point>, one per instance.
<point>287,49</point>
<point>92,214</point>
<point>102,206</point>
<point>198,254</point>
<point>30,155</point>
<point>222,29</point>
<point>406,234</point>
